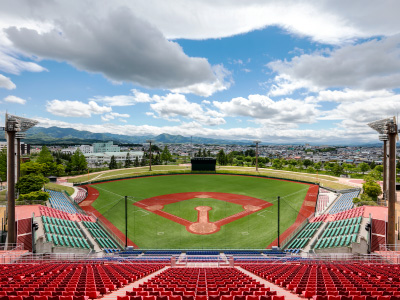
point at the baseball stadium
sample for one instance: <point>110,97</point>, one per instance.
<point>197,234</point>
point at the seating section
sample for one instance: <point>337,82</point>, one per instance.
<point>60,202</point>
<point>305,235</point>
<point>339,233</point>
<point>202,252</point>
<point>82,217</point>
<point>104,241</point>
<point>348,281</point>
<point>201,284</point>
<point>54,213</point>
<point>320,218</point>
<point>67,281</point>
<point>81,195</point>
<point>352,213</point>
<point>345,202</point>
<point>322,202</point>
<point>64,233</point>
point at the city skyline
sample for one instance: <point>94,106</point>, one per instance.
<point>275,71</point>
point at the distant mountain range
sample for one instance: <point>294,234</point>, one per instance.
<point>70,136</point>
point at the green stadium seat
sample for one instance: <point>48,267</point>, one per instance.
<point>331,243</point>
<point>55,239</point>
<point>62,231</point>
<point>48,236</point>
<point>357,229</point>
<point>346,231</point>
<point>61,240</point>
<point>342,241</point>
<point>359,220</point>
<point>46,228</point>
<point>71,241</point>
<point>342,229</point>
<point>337,241</point>
<point>56,229</point>
<point>348,240</point>
<point>57,221</point>
<point>354,238</point>
<point>317,244</point>
<point>66,242</point>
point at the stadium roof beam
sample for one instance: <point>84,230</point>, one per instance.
<point>387,128</point>
<point>14,127</point>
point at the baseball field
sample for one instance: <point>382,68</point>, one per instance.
<point>201,211</point>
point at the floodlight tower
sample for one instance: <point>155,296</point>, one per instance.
<point>13,126</point>
<point>388,131</point>
<point>150,141</point>
<point>256,142</point>
<point>18,137</point>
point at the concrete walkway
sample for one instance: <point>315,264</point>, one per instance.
<point>280,291</point>
<point>122,291</point>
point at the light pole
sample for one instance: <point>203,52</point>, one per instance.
<point>13,126</point>
<point>150,141</point>
<point>388,131</point>
<point>257,142</point>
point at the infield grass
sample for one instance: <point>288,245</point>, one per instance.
<point>150,231</point>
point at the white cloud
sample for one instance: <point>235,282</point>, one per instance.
<point>365,111</point>
<point>6,83</point>
<point>263,108</point>
<point>69,108</point>
<point>176,105</point>
<point>349,95</point>
<point>117,44</point>
<point>113,115</point>
<point>126,100</point>
<point>372,65</point>
<point>223,80</point>
<point>14,99</point>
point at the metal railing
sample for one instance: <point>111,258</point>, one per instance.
<point>295,232</point>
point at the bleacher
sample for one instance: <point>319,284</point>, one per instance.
<point>303,238</point>
<point>339,233</point>
<point>81,195</point>
<point>105,242</point>
<point>64,233</point>
<point>67,281</point>
<point>345,202</point>
<point>201,284</point>
<point>59,201</point>
<point>329,281</point>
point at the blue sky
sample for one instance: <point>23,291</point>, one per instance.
<point>276,71</point>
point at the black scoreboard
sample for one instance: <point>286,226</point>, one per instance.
<point>203,164</point>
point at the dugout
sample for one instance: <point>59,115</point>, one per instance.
<point>203,164</point>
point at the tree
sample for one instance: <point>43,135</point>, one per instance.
<point>113,163</point>
<point>204,152</point>
<point>372,189</point>
<point>78,161</point>
<point>364,167</point>
<point>277,164</point>
<point>372,165</point>
<point>45,156</point>
<point>128,161</point>
<point>318,166</point>
<point>31,183</point>
<point>166,155</point>
<point>337,169</point>
<point>221,158</point>
<point>3,165</point>
<point>250,152</point>
<point>37,195</point>
<point>307,163</point>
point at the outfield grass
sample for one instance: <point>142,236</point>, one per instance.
<point>324,180</point>
<point>149,230</point>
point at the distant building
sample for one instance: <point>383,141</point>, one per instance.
<point>83,148</point>
<point>105,147</point>
<point>100,159</point>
